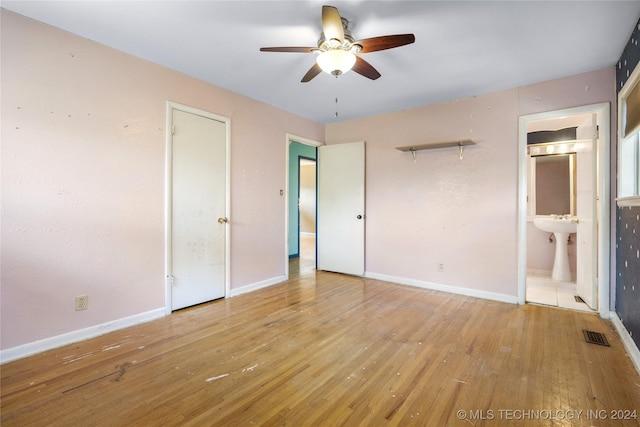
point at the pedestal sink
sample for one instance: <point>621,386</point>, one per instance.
<point>561,226</point>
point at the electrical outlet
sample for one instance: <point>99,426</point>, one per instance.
<point>82,302</point>
<point>440,267</point>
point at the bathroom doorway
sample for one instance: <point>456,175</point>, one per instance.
<point>580,281</point>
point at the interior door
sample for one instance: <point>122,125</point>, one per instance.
<point>198,209</point>
<point>586,205</point>
<point>341,216</point>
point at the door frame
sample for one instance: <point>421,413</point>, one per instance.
<point>290,138</point>
<point>603,207</point>
<point>170,107</point>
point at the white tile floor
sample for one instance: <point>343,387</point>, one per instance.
<point>542,290</point>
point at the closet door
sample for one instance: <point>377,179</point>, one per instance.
<point>198,210</point>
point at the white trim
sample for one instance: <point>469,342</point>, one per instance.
<point>32,348</point>
<point>627,202</point>
<point>168,173</point>
<point>539,272</point>
<point>629,344</point>
<point>521,238</point>
<point>604,210</point>
<point>289,139</point>
<point>258,285</point>
<point>603,203</point>
<point>511,299</point>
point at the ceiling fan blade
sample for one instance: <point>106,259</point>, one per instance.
<point>374,44</point>
<point>288,49</point>
<point>313,71</point>
<point>363,68</point>
<point>332,24</point>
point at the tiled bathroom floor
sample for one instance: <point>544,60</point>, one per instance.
<point>543,290</point>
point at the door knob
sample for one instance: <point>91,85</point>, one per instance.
<point>359,217</point>
<point>222,220</point>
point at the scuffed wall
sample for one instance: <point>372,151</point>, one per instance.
<point>83,180</point>
<point>443,210</point>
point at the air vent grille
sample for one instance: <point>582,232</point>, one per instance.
<point>595,338</point>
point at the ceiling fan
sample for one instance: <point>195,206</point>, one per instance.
<point>338,52</point>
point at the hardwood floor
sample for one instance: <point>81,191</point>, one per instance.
<point>331,350</point>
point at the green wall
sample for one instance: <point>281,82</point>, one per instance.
<point>295,151</point>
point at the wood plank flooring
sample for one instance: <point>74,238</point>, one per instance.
<point>325,349</point>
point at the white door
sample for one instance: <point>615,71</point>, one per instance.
<point>586,204</point>
<point>198,209</point>
<point>341,216</point>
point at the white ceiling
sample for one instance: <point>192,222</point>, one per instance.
<point>462,48</point>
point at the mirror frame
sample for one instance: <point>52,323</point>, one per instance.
<point>532,195</point>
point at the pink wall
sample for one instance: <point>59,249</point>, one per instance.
<point>462,213</point>
<point>83,151</point>
<point>83,181</point>
<point>308,198</point>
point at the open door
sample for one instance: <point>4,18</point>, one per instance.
<point>341,216</point>
<point>586,213</point>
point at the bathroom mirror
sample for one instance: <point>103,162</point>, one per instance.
<point>552,184</point>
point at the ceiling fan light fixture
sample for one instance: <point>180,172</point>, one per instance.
<point>336,61</point>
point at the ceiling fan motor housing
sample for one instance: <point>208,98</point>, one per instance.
<point>349,44</point>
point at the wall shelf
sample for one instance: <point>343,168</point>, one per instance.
<point>432,145</point>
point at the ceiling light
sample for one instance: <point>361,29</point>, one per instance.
<point>336,61</point>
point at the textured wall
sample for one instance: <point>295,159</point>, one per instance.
<point>83,178</point>
<point>628,223</point>
<point>440,209</point>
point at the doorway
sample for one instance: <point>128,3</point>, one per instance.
<point>340,206</point>
<point>197,210</point>
<point>301,204</point>
<point>588,249</point>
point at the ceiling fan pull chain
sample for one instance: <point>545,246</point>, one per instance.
<point>337,89</point>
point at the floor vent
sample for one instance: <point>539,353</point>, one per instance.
<point>595,338</point>
<point>578,299</point>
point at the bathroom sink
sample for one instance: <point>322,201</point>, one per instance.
<point>560,226</point>
<point>555,224</point>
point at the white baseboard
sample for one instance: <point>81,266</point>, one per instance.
<point>546,273</point>
<point>79,335</point>
<point>32,348</point>
<point>255,286</point>
<point>629,344</point>
<point>539,272</point>
<point>511,299</point>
